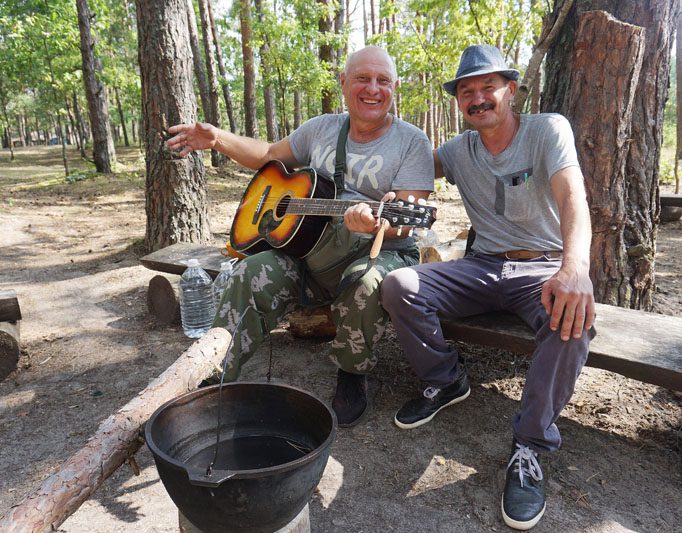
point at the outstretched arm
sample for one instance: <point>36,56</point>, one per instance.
<point>252,153</point>
<point>569,292</point>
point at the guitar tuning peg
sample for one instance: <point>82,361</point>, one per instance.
<point>410,198</point>
<point>421,201</point>
<point>400,231</point>
<point>409,234</point>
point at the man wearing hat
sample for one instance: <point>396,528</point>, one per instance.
<point>521,184</point>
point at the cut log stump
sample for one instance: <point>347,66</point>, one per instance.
<point>309,323</point>
<point>10,318</point>
<point>162,299</point>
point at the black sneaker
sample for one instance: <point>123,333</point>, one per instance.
<point>350,399</point>
<point>419,411</point>
<point>523,501</point>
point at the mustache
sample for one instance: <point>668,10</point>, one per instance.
<point>485,106</point>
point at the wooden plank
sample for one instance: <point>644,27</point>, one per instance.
<point>171,259</point>
<point>636,344</point>
<point>671,199</point>
<point>9,306</point>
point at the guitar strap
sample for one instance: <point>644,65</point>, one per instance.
<point>340,157</point>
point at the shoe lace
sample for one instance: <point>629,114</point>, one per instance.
<point>526,463</point>
<point>431,392</point>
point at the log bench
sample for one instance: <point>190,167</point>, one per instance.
<point>10,317</point>
<point>636,344</point>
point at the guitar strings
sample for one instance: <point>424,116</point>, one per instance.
<point>321,206</point>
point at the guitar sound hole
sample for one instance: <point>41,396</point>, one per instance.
<point>282,207</point>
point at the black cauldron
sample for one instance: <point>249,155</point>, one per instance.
<point>274,444</point>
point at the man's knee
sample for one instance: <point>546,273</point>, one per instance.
<point>397,286</point>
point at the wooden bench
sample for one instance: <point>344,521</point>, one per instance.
<point>10,316</point>
<point>671,207</point>
<point>636,344</point>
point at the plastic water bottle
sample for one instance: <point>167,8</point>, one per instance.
<point>196,300</point>
<point>221,280</point>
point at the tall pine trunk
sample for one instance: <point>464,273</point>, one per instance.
<point>175,193</point>
<point>216,158</point>
<point>626,275</point>
<point>250,121</point>
<point>229,106</point>
<point>199,70</point>
<point>103,144</point>
<point>268,90</point>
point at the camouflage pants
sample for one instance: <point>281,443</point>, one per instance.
<point>271,282</point>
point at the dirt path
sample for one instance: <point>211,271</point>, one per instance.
<point>71,253</point>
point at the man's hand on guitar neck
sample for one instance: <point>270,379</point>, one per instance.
<point>361,219</point>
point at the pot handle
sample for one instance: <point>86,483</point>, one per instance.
<point>200,478</point>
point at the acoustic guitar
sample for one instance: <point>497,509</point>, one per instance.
<point>289,211</point>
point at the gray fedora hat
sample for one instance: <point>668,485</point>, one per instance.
<point>480,59</point>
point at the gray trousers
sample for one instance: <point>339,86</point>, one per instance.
<point>417,297</point>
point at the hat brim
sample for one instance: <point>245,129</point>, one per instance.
<point>451,86</point>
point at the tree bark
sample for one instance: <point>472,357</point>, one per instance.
<point>298,113</point>
<point>175,192</point>
<point>678,79</point>
<point>268,91</point>
<point>229,106</point>
<point>121,116</point>
<point>635,272</point>
<point>250,120</point>
<point>102,144</point>
<point>216,158</point>
<point>607,62</point>
<point>199,70</point>
<point>325,55</point>
<point>116,440</point>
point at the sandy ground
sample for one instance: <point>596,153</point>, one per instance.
<point>71,251</point>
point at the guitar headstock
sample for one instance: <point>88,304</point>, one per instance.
<point>403,213</point>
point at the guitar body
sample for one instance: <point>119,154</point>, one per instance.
<point>261,222</point>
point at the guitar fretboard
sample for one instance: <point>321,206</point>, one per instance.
<point>396,213</point>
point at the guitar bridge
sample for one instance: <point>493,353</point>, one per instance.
<point>261,202</point>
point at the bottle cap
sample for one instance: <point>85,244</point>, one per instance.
<point>227,265</point>
<point>192,262</point>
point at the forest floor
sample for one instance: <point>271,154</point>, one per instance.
<point>71,251</point>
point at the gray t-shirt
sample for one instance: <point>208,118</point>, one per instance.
<point>508,197</point>
<point>401,159</point>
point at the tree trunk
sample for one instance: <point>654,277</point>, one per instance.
<point>79,124</point>
<point>229,106</point>
<point>175,193</point>
<point>117,438</point>
<point>74,127</point>
<point>298,113</point>
<point>211,76</point>
<point>199,71</point>
<point>250,120</point>
<point>633,274</point>
<point>268,91</point>
<point>102,144</point>
<point>678,79</point>
<point>121,116</point>
<point>325,54</point>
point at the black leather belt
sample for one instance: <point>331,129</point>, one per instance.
<point>516,255</point>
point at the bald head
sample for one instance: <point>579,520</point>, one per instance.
<point>372,54</point>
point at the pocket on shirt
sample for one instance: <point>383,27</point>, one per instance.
<point>513,195</point>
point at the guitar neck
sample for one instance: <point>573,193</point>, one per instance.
<point>325,207</point>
